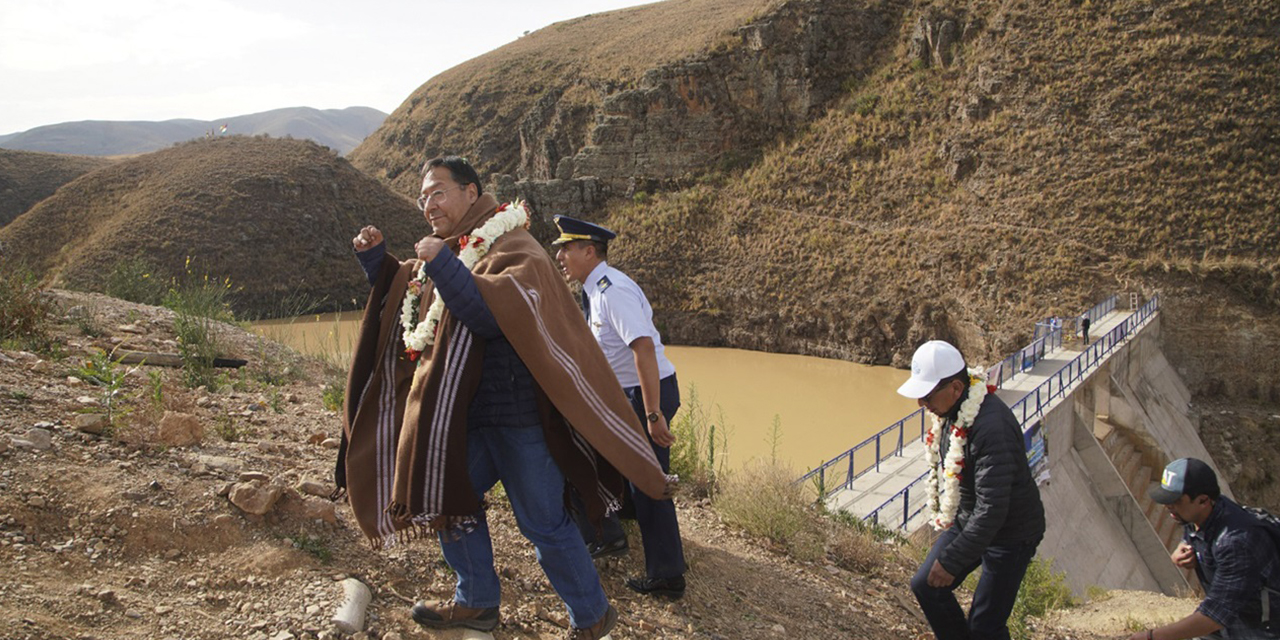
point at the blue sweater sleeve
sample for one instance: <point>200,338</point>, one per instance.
<point>371,260</point>
<point>457,288</point>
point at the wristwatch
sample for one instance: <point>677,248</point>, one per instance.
<point>653,416</point>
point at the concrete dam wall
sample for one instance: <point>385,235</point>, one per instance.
<point>1107,443</point>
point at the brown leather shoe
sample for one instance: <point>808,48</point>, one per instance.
<point>597,630</point>
<point>447,614</point>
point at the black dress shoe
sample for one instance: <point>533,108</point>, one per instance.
<point>669,587</point>
<point>608,549</point>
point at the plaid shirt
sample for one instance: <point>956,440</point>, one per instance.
<point>1235,557</point>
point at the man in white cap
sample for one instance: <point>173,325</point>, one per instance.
<point>982,497</point>
<point>1231,551</point>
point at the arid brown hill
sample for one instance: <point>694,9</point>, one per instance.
<point>959,170</point>
<point>274,216</point>
<point>27,178</point>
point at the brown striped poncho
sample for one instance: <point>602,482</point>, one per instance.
<point>403,459</point>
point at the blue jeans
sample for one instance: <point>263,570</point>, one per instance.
<point>1002,570</point>
<point>520,459</point>
<point>659,528</point>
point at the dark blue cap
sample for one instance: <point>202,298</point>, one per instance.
<point>574,229</point>
<point>1185,476</point>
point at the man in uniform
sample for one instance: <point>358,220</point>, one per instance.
<point>622,321</point>
<point>996,521</point>
<point>1231,552</point>
<point>472,362</point>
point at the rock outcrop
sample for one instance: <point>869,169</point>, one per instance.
<point>652,125</point>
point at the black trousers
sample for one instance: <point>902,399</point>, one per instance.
<point>659,528</point>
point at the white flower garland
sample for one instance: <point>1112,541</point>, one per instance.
<point>944,504</point>
<point>420,335</point>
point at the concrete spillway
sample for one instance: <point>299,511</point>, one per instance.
<point>1108,430</point>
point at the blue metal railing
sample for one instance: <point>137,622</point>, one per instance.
<point>847,463</point>
<point>1031,406</point>
<point>857,461</point>
<point>1025,358</point>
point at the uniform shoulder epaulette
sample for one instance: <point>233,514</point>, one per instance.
<point>604,284</point>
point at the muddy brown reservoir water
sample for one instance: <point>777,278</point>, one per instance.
<point>822,407</point>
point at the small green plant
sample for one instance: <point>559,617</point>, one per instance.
<point>312,545</point>
<point>1132,624</point>
<point>1097,594</point>
<point>334,394</point>
<point>102,370</point>
<point>229,430</point>
<point>275,400</point>
<point>18,395</point>
<point>775,438</point>
<point>155,390</point>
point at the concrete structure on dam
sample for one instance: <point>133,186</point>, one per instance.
<point>1102,420</point>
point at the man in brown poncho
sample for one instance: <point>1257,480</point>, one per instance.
<point>447,398</point>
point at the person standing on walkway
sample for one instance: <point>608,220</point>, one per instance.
<point>981,497</point>
<point>622,321</point>
<point>1084,330</point>
<point>1230,550</point>
<point>473,361</point>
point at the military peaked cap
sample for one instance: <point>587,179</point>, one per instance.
<point>574,229</point>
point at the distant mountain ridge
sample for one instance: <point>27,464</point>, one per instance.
<point>339,129</point>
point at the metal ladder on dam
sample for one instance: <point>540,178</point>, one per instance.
<point>882,479</point>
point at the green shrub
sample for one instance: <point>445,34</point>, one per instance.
<point>699,453</point>
<point>763,500</point>
<point>198,303</point>
<point>24,311</point>
<point>135,280</point>
<point>1043,590</point>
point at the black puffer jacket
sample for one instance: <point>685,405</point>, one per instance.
<point>999,501</point>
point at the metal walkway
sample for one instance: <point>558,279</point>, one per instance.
<point>894,493</point>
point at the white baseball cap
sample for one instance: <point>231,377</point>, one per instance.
<point>932,362</point>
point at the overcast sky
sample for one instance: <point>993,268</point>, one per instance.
<point>70,60</point>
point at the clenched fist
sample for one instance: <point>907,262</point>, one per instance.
<point>368,238</point>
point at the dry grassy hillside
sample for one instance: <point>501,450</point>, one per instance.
<point>984,164</point>
<point>27,177</point>
<point>274,216</point>
<point>1066,152</point>
<point>476,108</point>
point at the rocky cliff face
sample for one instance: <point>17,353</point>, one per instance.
<point>586,139</point>
<point>685,117</point>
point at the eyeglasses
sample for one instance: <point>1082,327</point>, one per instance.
<point>437,195</point>
<point>941,385</point>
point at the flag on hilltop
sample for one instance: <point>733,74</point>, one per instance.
<point>223,129</point>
